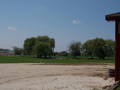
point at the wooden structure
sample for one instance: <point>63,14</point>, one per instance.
<point>116,17</point>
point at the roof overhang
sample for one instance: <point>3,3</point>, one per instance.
<point>113,17</point>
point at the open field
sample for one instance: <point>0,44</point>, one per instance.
<point>60,73</point>
<point>26,59</point>
<point>34,76</point>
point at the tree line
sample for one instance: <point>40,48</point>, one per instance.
<point>1,49</point>
<point>97,47</point>
<point>44,46</point>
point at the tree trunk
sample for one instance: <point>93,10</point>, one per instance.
<point>40,56</point>
<point>103,58</point>
<point>91,57</point>
<point>74,56</point>
<point>45,56</point>
<point>37,56</point>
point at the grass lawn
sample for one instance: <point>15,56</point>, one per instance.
<point>28,59</point>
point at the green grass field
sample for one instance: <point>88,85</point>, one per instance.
<point>28,59</point>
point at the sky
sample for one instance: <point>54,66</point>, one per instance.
<point>63,20</point>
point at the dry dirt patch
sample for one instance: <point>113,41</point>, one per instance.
<point>54,77</point>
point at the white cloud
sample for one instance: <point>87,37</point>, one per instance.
<point>12,28</point>
<point>76,22</point>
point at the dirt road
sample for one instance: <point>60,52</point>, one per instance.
<point>54,77</point>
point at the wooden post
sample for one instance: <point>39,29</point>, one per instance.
<point>117,50</point>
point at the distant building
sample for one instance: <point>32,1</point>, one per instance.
<point>7,53</point>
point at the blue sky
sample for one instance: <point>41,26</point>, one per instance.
<point>63,20</point>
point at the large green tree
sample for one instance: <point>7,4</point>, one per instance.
<point>28,45</point>
<point>46,39</point>
<point>88,48</point>
<point>41,48</point>
<point>110,47</point>
<point>40,45</point>
<point>75,48</point>
<point>98,47</point>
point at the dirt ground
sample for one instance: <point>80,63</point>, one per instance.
<point>54,77</point>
